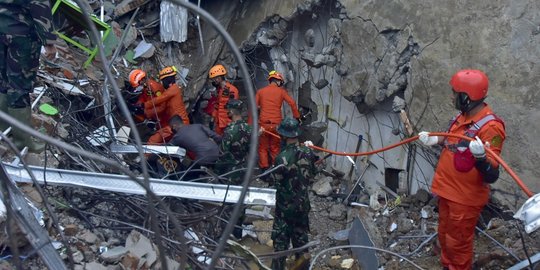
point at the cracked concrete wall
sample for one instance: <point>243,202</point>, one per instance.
<point>346,60</point>
<point>499,37</point>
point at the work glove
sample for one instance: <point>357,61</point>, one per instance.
<point>308,143</point>
<point>477,148</point>
<point>426,139</point>
<point>261,131</point>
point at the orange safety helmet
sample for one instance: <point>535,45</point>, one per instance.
<point>275,75</point>
<point>217,70</point>
<point>472,82</point>
<point>136,76</point>
<point>167,71</point>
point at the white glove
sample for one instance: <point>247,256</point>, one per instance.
<point>261,131</point>
<point>477,148</point>
<point>308,143</point>
<point>428,140</point>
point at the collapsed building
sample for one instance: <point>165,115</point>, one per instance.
<point>365,76</point>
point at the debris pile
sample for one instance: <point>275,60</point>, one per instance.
<point>107,230</point>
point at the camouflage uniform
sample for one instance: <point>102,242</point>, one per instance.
<point>291,221</point>
<point>24,27</point>
<point>234,150</point>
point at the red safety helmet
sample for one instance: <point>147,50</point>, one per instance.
<point>136,76</point>
<point>275,75</point>
<point>472,82</point>
<point>217,70</point>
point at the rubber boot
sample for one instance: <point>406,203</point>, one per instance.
<point>20,138</point>
<point>4,108</point>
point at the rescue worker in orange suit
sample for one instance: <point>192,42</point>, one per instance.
<point>225,91</point>
<point>172,103</point>
<point>269,100</point>
<point>143,89</point>
<point>464,171</point>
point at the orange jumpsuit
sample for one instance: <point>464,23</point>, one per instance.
<point>463,194</point>
<point>221,120</point>
<point>154,90</point>
<point>172,103</point>
<point>269,100</point>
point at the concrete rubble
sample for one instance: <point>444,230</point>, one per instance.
<point>364,60</point>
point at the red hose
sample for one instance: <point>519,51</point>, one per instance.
<point>409,140</point>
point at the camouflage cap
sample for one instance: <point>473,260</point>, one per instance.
<point>234,104</point>
<point>289,128</point>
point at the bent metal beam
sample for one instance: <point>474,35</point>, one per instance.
<point>122,183</point>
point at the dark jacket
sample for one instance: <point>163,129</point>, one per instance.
<point>200,140</point>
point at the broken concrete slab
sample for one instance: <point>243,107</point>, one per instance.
<point>144,50</point>
<point>141,247</point>
<point>323,186</point>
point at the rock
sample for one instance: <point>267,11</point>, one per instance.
<point>324,59</point>
<point>263,229</point>
<point>140,247</point>
<point>114,255</point>
<point>347,263</point>
<point>334,262</point>
<point>130,261</point>
<point>265,39</point>
<point>90,255</point>
<point>495,223</point>
<point>323,187</point>
<point>337,212</point>
<point>309,37</point>
<point>422,195</point>
<point>427,212</point>
<point>405,225</point>
<point>95,266</point>
<point>113,241</point>
<point>398,104</point>
<point>78,257</point>
<point>88,237</point>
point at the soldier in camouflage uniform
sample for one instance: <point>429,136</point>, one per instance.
<point>24,26</point>
<point>234,146</point>
<point>291,223</point>
<point>234,149</point>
